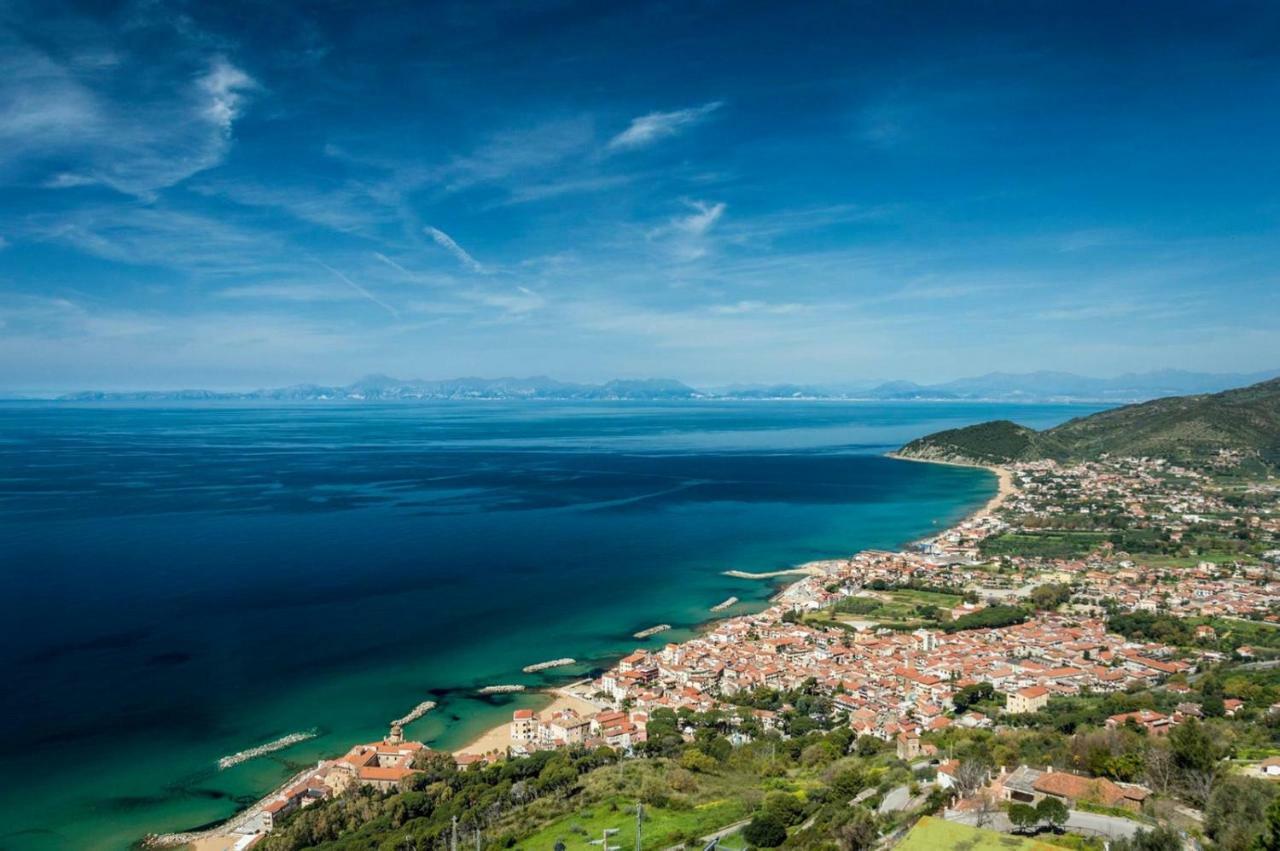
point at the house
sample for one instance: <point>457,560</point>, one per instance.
<point>1029,699</point>
<point>567,727</point>
<point>908,746</point>
<point>1153,722</point>
<point>1271,766</point>
<point>947,772</point>
<point>1017,786</point>
<point>524,726</point>
<point>382,765</point>
<point>272,811</point>
<point>1026,785</point>
<point>1072,788</point>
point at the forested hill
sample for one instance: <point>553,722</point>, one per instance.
<point>1179,428</point>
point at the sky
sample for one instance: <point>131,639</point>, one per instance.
<point>231,196</point>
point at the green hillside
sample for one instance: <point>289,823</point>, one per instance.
<point>1180,428</point>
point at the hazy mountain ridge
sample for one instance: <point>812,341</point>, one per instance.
<point>996,386</point>
<point>1180,427</point>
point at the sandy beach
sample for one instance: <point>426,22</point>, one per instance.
<point>499,738</point>
<point>1004,485</point>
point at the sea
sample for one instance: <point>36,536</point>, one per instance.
<point>182,582</point>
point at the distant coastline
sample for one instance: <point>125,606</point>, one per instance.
<point>996,387</point>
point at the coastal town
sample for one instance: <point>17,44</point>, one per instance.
<point>896,641</point>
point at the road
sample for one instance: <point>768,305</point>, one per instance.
<point>1078,821</point>
<point>895,799</point>
<point>719,834</point>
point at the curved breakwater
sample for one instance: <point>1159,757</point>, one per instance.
<point>502,689</point>
<point>262,750</point>
<point>415,713</point>
<point>554,663</point>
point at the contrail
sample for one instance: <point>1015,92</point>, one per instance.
<point>361,290</point>
<point>446,242</point>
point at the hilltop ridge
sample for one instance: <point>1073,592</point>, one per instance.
<point>1246,420</point>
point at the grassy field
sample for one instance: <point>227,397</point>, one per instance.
<point>1217,557</point>
<point>1043,544</point>
<point>935,834</point>
<point>662,827</point>
<point>904,605</point>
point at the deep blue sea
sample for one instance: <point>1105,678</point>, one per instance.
<point>181,582</point>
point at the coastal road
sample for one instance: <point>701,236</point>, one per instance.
<point>1093,824</point>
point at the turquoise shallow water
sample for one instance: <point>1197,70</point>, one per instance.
<point>180,583</point>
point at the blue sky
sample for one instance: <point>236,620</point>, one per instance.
<point>232,196</point>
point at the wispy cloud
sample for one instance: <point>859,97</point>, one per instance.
<point>518,301</point>
<point>647,129</point>
<point>148,234</point>
<point>98,125</point>
<point>700,221</point>
<point>757,307</point>
<point>448,244</point>
<point>559,188</point>
<point>345,208</point>
<point>510,153</point>
<point>686,236</point>
<point>300,292</point>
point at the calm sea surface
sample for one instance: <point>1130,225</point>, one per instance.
<point>179,583</point>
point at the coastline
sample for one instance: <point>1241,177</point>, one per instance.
<point>497,739</point>
<point>1004,480</point>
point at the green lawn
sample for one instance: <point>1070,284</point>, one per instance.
<point>662,827</point>
<point>901,605</point>
<point>1044,544</point>
<point>935,834</point>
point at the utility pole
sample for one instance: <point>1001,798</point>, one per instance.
<point>453,840</point>
<point>477,838</point>
<point>639,823</point>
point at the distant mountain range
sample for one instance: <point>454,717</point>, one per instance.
<point>995,386</point>
<point>1246,419</point>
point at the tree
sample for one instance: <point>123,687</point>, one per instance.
<point>867,746</point>
<point>1160,771</point>
<point>1052,812</point>
<point>1163,838</point>
<point>858,832</point>
<point>787,809</point>
<point>970,776</point>
<point>1023,816</point>
<point>1237,811</point>
<point>1050,596</point>
<point>765,831</point>
<point>695,760</point>
<point>986,810</point>
<point>971,694</point>
<point>1193,748</point>
<point>1270,838</point>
